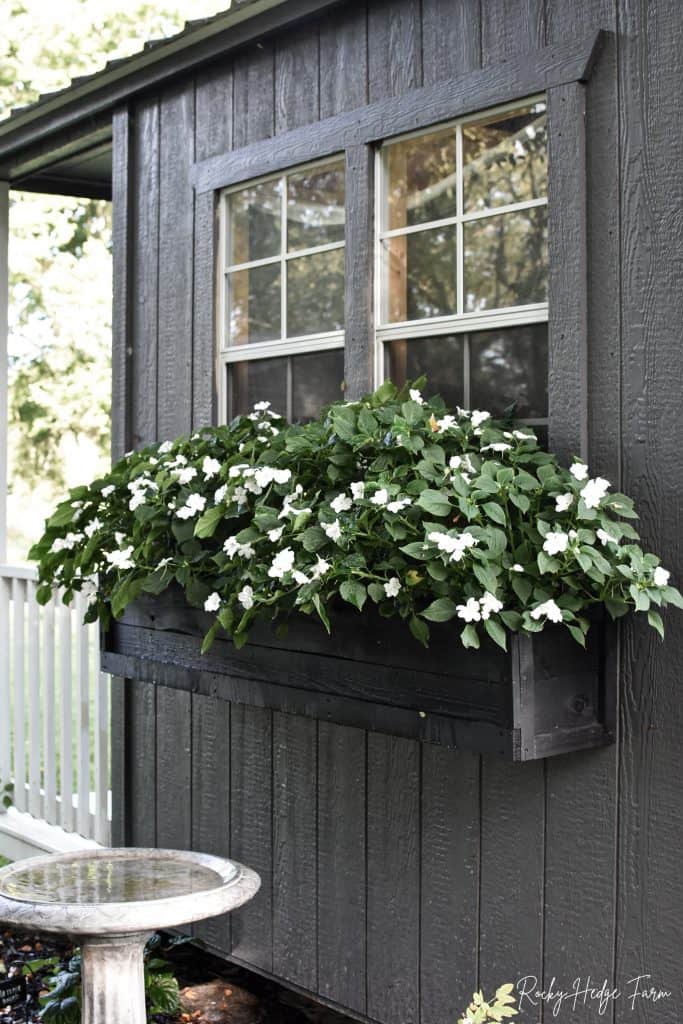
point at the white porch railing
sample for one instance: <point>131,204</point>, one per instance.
<point>54,709</point>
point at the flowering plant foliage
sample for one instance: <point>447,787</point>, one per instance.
<point>481,1011</point>
<point>432,515</point>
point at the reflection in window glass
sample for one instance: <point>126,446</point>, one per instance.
<point>420,270</point>
<point>441,359</point>
<point>422,182</point>
<point>315,293</point>
<point>297,387</point>
<point>255,222</point>
<point>505,159</point>
<point>506,260</point>
<point>254,304</point>
<point>510,366</point>
<point>315,207</point>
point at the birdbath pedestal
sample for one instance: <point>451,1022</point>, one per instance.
<point>111,901</point>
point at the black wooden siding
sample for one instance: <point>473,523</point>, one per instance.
<point>397,877</point>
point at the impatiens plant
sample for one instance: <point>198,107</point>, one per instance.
<point>431,515</point>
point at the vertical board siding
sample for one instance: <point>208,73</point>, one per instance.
<point>174,769</point>
<point>297,78</point>
<point>253,92</point>
<point>393,878</point>
<point>394,48</point>
<point>141,771</point>
<point>251,827</point>
<point>211,797</point>
<point>344,61</point>
<point>176,295</point>
<point>295,889</point>
<point>451,38</point>
<point>650,885</point>
<point>511,27</point>
<point>341,911</point>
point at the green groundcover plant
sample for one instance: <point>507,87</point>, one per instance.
<point>430,514</point>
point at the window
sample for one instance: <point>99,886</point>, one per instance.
<point>281,303</point>
<point>462,263</point>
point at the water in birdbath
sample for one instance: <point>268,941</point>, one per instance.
<point>108,880</point>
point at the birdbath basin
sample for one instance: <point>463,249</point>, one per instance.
<point>111,901</point>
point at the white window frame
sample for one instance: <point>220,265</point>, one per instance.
<point>459,322</point>
<point>228,354</point>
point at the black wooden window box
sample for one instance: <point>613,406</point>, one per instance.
<point>545,696</point>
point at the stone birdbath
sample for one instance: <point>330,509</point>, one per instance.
<point>111,901</point>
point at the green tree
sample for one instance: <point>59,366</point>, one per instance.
<point>60,257</point>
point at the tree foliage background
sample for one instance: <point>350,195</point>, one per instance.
<point>60,258</point>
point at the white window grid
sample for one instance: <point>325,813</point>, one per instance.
<point>459,322</point>
<point>282,346</point>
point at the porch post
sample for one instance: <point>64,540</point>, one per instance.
<point>4,300</point>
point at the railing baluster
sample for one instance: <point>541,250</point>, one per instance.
<point>66,774</point>
<point>83,690</point>
<point>34,708</point>
<point>101,746</point>
<point>18,680</point>
<point>5,675</point>
<point>49,720</point>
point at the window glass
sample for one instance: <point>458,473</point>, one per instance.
<point>297,386</point>
<point>441,359</point>
<point>510,367</point>
<point>505,159</point>
<point>255,214</point>
<point>254,304</point>
<point>420,270</point>
<point>315,207</point>
<point>506,260</point>
<point>315,293</point>
<point>422,179</point>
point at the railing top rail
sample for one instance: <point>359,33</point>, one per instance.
<point>18,572</point>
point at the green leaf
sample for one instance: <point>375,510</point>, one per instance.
<point>673,596</point>
<point>322,613</point>
<point>62,517</point>
<point>640,598</point>
<point>520,501</point>
<point>376,592</point>
<point>496,632</point>
<point>513,620</point>
<point>434,502</point>
<point>313,538</point>
<point>469,637</point>
<point>209,637</point>
<point>354,592</point>
<point>437,570</point>
<point>367,422</point>
<point>416,549</point>
<point>522,587</point>
<point>546,563</point>
<point>419,629</point>
<point>578,634</point>
<point>440,610</point>
<point>655,620</point>
<point>485,576</point>
<point>496,512</point>
<point>616,608</point>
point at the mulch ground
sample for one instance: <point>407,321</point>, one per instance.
<point>214,992</point>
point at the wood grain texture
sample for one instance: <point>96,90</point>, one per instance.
<point>650,886</point>
<point>295,889</point>
<point>251,829</point>
<point>174,769</point>
<point>510,27</point>
<point>297,77</point>
<point>394,47</point>
<point>253,96</point>
<point>120,743</point>
<point>359,269</point>
<point>123,213</point>
<point>211,798</point>
<point>341,905</point>
<point>344,60</point>
<point>145,274</point>
<point>450,796</point>
<point>176,217</point>
<point>393,876</point>
<point>451,38</point>
<point>141,767</point>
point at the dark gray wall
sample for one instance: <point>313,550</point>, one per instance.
<point>397,877</point>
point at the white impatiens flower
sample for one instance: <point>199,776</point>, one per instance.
<point>446,422</point>
<point>661,576</point>
<point>165,448</point>
<point>239,495</point>
<point>333,530</point>
<point>453,546</point>
<point>555,542</point>
<point>237,470</point>
<point>93,526</point>
<point>282,563</point>
<point>358,490</point>
<point>106,491</point>
<point>396,506</point>
<point>213,602</point>
<point>210,467</point>
<point>490,605</point>
<point>479,417</point>
<point>416,396</point>
<point>342,503</point>
<point>261,406</point>
<point>605,538</point>
<point>521,436</point>
<point>392,587</point>
<point>579,470</point>
<point>549,609</point>
<point>67,543</point>
<point>246,597</point>
<point>274,535</point>
<point>121,559</point>
<point>380,497</point>
<point>185,475</point>
<point>320,568</point>
<point>220,494</point>
<point>563,501</point>
<point>594,491</point>
<point>300,577</point>
<point>497,446</point>
<point>194,504</point>
<point>232,547</point>
<point>469,611</point>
